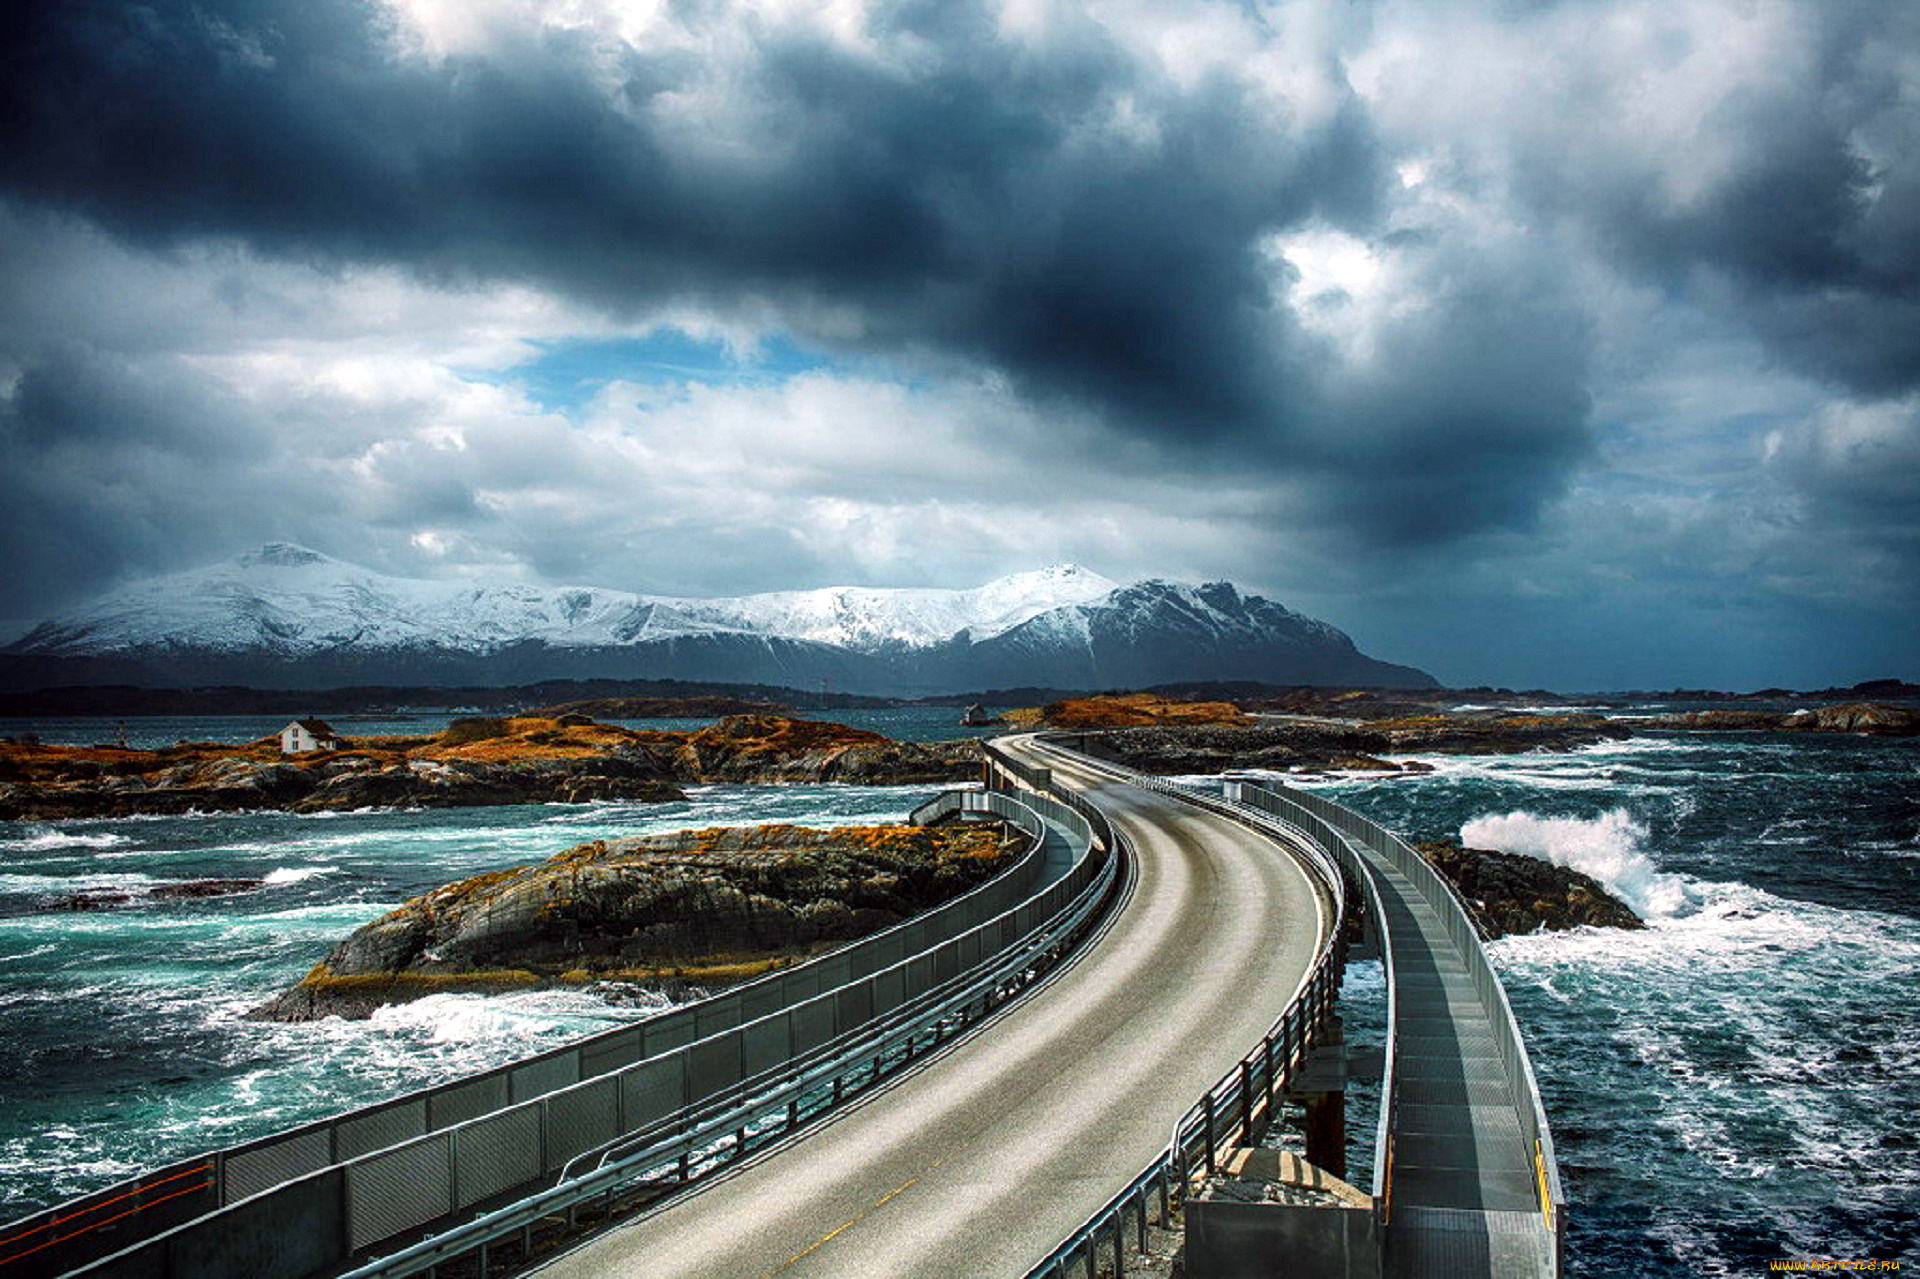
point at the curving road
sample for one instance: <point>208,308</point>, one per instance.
<point>992,1153</point>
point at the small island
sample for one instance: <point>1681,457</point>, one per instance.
<point>1509,893</point>
<point>695,909</point>
<point>1165,735</point>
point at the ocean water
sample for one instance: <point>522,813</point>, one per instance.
<point>1739,1082</point>
<point>124,1042</point>
<point>1735,1084</point>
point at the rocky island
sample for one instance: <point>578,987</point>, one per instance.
<point>1167,736</point>
<point>1874,719</point>
<point>698,908</point>
<point>526,760</point>
<point>1510,893</point>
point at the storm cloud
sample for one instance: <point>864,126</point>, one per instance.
<point>1334,298</point>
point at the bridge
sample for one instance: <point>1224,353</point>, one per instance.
<point>1030,1078</point>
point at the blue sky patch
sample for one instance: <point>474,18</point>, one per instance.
<point>570,371</point>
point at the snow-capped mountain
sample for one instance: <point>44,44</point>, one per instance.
<point>285,616</point>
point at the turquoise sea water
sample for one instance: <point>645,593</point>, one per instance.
<point>125,1044</point>
<point>1733,1085</point>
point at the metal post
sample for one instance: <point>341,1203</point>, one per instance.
<point>1207,1135</point>
<point>1246,1103</point>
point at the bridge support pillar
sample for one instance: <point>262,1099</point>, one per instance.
<point>1321,1088</point>
<point>1327,1131</point>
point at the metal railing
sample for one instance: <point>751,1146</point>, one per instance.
<point>106,1221</point>
<point>1242,1102</point>
<point>701,1101</point>
<point>1345,825</point>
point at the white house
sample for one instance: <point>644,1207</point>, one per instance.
<point>309,735</point>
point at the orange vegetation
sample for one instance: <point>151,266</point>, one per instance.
<point>477,740</point>
<point>777,735</point>
<point>1139,710</point>
<point>527,739</point>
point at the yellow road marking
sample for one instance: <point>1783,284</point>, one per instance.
<point>827,1238</point>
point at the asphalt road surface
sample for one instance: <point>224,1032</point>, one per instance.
<point>990,1155</point>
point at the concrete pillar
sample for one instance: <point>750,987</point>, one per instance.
<point>1327,1131</point>
<point>1321,1088</point>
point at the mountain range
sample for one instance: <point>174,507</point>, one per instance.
<point>288,617</point>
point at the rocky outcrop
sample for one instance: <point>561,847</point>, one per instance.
<point>705,907</point>
<point>1494,734</point>
<point>1213,749</point>
<point>769,748</point>
<point>526,760</point>
<point>540,762</point>
<point>184,890</point>
<point>1509,893</point>
<point>1130,710</point>
<point>1873,718</point>
<point>1288,743</point>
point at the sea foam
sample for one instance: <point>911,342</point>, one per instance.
<point>1607,847</point>
<point>295,874</point>
<point>42,839</point>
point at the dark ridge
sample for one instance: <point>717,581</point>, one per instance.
<point>1023,696</point>
<point>229,699</point>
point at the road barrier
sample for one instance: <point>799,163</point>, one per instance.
<point>684,1091</point>
<point>1341,827</point>
<point>1335,840</point>
<point>1242,1103</point>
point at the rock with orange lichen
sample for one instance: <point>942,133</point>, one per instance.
<point>701,906</point>
<point>1136,710</point>
<point>1295,745</point>
<point>772,748</point>
<point>525,760</point>
<point>533,761</point>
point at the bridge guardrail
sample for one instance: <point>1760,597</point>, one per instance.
<point>1289,802</point>
<point>1242,1101</point>
<point>117,1216</point>
<point>683,1105</point>
<point>1312,827</point>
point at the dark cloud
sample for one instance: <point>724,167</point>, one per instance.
<point>984,207</point>
<point>1801,179</point>
<point>113,468</point>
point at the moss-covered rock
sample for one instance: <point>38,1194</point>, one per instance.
<point>705,906</point>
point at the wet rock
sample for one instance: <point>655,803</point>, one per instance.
<point>1874,718</point>
<point>771,748</point>
<point>1509,893</point>
<point>1495,734</point>
<point>105,899</point>
<point>1216,749</point>
<point>707,907</point>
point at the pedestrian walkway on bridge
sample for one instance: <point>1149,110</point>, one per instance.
<point>1466,1180</point>
<point>1464,1186</point>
